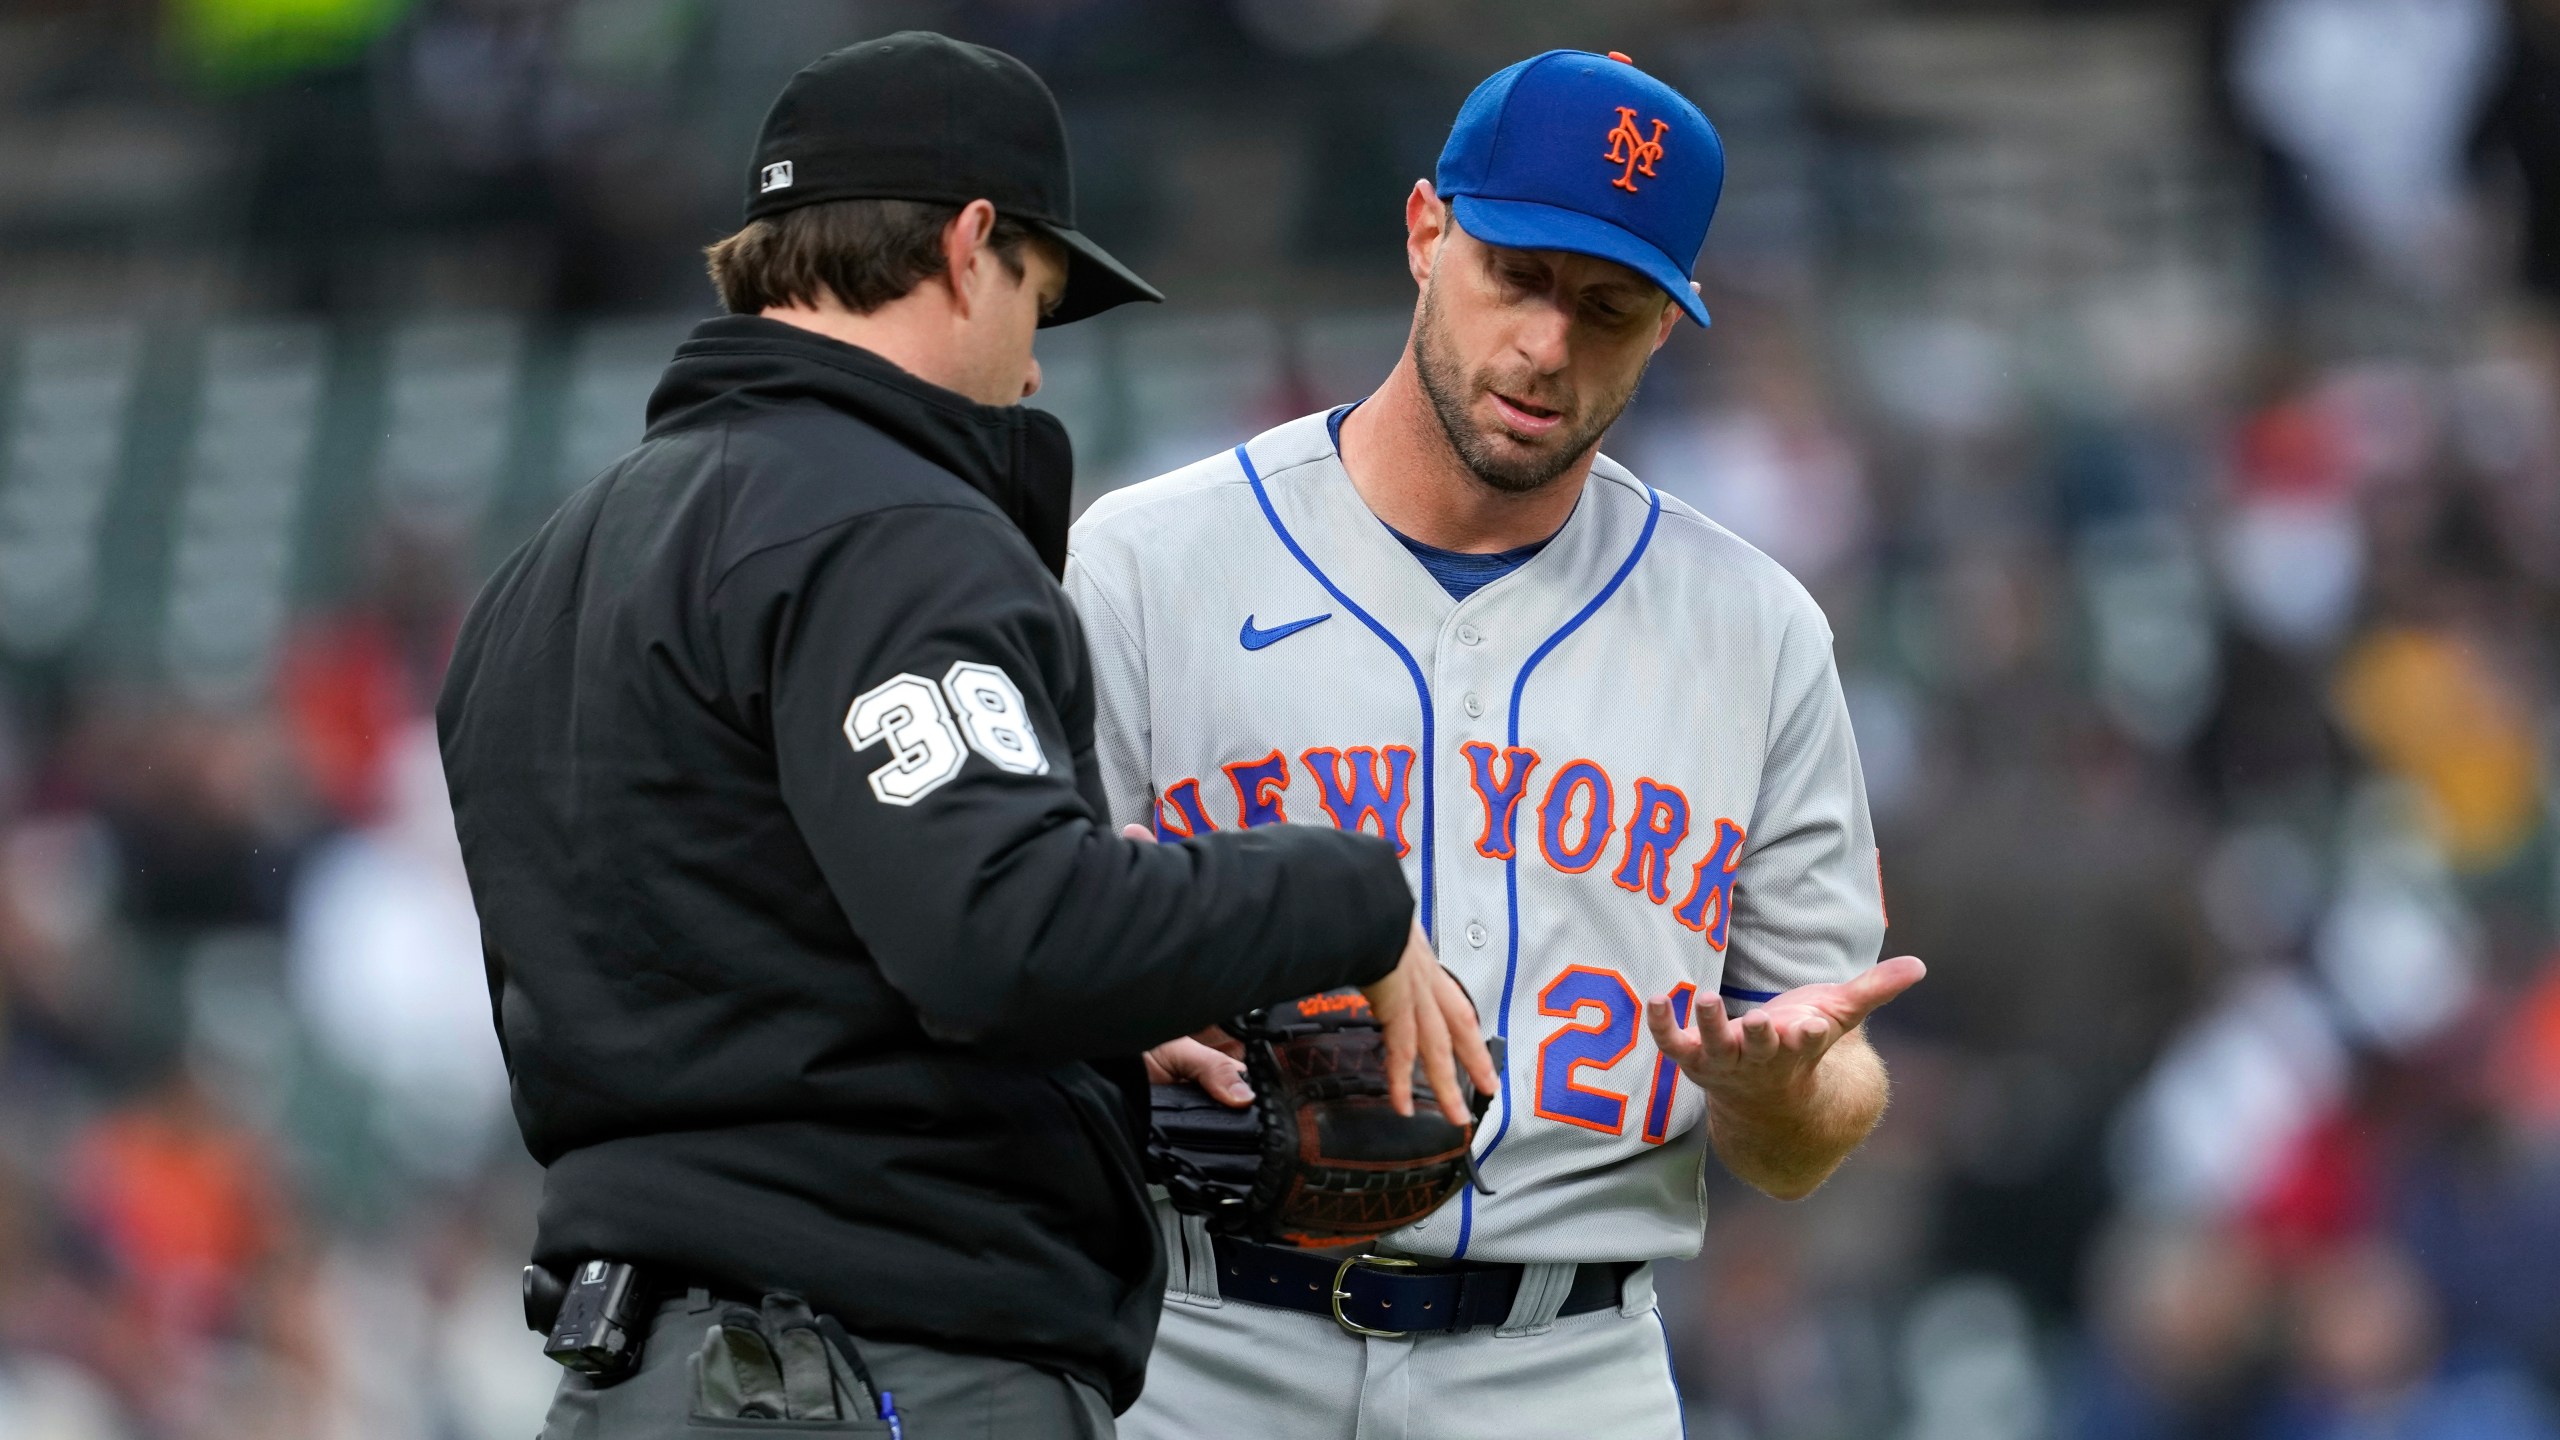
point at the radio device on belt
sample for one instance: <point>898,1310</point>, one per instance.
<point>598,1320</point>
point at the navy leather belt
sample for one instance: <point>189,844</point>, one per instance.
<point>1382,1295</point>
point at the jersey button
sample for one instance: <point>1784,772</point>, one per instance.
<point>1470,635</point>
<point>1476,936</point>
<point>1474,706</point>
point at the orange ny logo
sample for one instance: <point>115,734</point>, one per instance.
<point>1633,150</point>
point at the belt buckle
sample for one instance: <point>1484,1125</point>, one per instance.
<point>1342,1272</point>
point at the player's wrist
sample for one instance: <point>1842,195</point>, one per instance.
<point>1762,1092</point>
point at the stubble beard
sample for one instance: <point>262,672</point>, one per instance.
<point>1452,395</point>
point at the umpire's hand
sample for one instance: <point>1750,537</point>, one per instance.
<point>1422,1008</point>
<point>1425,1011</point>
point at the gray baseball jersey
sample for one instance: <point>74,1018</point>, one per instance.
<point>1621,771</point>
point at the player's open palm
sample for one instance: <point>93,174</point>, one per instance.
<point>1769,1054</point>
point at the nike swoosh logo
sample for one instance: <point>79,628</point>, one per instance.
<point>1253,639</point>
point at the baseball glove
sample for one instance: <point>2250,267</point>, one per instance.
<point>1319,1159</point>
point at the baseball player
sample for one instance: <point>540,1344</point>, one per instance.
<point>1605,736</point>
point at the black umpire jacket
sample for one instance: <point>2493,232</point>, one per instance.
<point>816,963</point>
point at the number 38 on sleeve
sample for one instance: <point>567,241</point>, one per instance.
<point>927,727</point>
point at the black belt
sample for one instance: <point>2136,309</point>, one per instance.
<point>1381,1295</point>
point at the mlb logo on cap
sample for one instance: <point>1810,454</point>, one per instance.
<point>777,176</point>
<point>1586,153</point>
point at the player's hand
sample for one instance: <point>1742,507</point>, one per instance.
<point>1425,1012</point>
<point>1210,1059</point>
<point>1768,1055</point>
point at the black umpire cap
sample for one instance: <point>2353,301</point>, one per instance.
<point>920,116</point>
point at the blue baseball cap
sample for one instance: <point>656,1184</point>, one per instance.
<point>1586,153</point>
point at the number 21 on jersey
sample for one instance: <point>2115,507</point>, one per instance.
<point>1601,1012</point>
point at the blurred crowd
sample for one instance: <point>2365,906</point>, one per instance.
<point>2164,403</point>
<point>2218,790</point>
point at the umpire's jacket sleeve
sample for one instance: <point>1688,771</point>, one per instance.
<point>925,683</point>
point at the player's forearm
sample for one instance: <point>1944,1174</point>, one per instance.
<point>1786,1145</point>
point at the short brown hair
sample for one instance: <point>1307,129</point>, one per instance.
<point>865,252</point>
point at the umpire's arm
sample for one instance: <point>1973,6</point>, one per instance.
<point>944,809</point>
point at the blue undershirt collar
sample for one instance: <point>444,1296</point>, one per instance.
<point>1459,572</point>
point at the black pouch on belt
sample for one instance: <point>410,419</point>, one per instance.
<point>779,1362</point>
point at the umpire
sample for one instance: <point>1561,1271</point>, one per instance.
<point>822,990</point>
